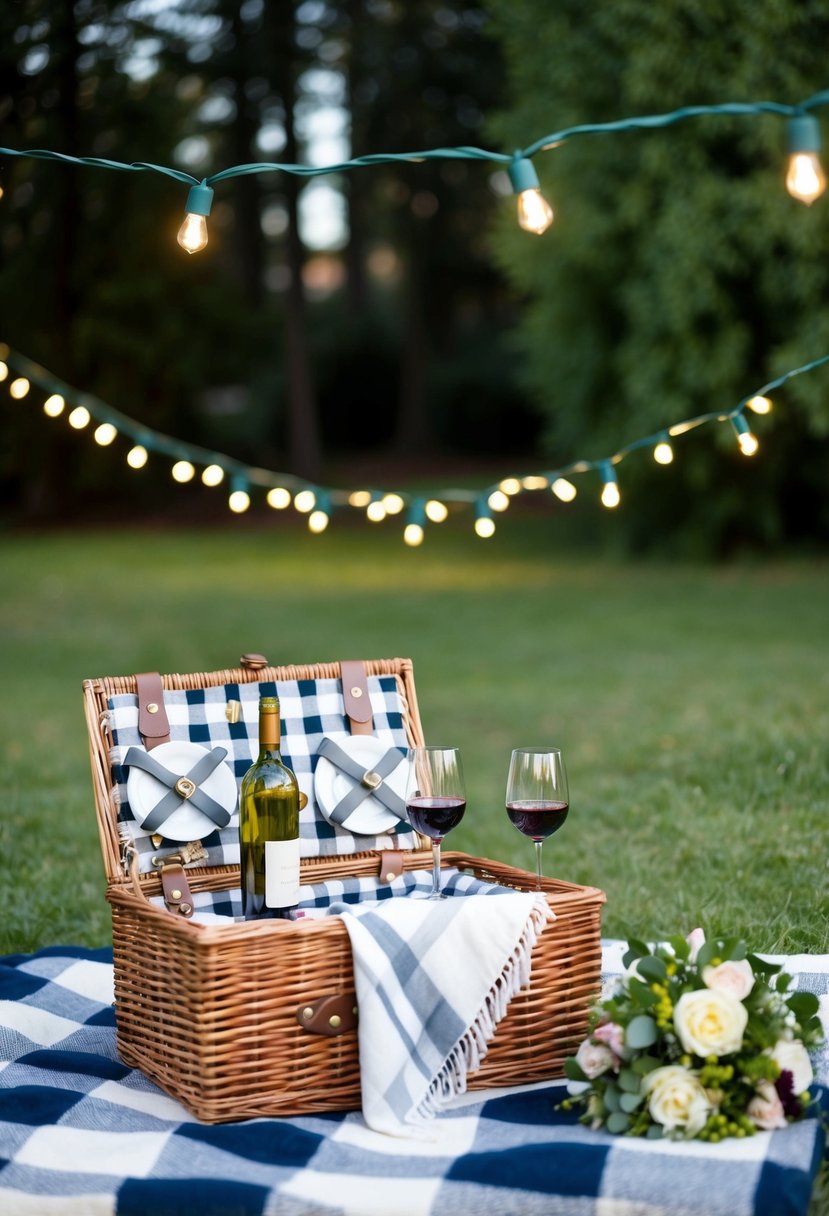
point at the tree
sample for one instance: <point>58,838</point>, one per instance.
<point>678,274</point>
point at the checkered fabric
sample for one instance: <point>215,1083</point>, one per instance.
<point>309,710</point>
<point>83,1135</point>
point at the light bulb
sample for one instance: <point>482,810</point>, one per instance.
<point>534,482</point>
<point>359,498</point>
<point>213,475</point>
<point>760,405</point>
<point>4,371</point>
<point>413,535</point>
<point>610,490</point>
<point>19,388</point>
<point>510,485</point>
<point>748,442</point>
<point>563,489</point>
<point>53,406</point>
<point>317,521</point>
<point>239,501</point>
<point>663,453</point>
<point>436,511</point>
<point>484,526</point>
<point>79,418</point>
<point>279,498</point>
<point>192,235</point>
<point>498,500</point>
<point>137,457</point>
<point>393,503</point>
<point>805,179</point>
<point>105,434</point>
<point>183,471</point>
<point>376,511</point>
<point>534,212</point>
<point>305,501</point>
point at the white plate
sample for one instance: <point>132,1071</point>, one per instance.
<point>187,822</point>
<point>371,817</point>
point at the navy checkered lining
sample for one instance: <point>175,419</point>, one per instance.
<point>309,709</point>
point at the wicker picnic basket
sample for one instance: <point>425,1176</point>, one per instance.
<point>235,1020</point>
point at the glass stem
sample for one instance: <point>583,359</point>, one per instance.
<point>435,867</point>
<point>538,844</point>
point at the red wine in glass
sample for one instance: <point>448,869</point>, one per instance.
<point>434,817</point>
<point>435,799</point>
<point>538,820</point>
<point>537,798</point>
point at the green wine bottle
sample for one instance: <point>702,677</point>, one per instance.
<point>269,826</point>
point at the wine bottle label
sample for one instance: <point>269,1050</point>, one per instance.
<point>281,873</point>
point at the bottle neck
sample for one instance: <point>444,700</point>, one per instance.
<point>269,734</point>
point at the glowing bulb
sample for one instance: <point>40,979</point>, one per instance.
<point>436,511</point>
<point>749,444</point>
<point>305,501</point>
<point>498,500</point>
<point>239,501</point>
<point>317,521</point>
<point>663,453</point>
<point>413,535</point>
<point>137,457</point>
<point>376,511</point>
<point>53,406</point>
<point>534,212</point>
<point>760,405</point>
<point>183,471</point>
<point>535,483</point>
<point>805,179</point>
<point>484,526</point>
<point>105,434</point>
<point>510,485</point>
<point>213,475</point>
<point>610,490</point>
<point>4,371</point>
<point>393,503</point>
<point>563,489</point>
<point>19,388</point>
<point>192,235</point>
<point>359,498</point>
<point>279,498</point>
<point>79,418</point>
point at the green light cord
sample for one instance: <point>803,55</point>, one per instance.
<point>640,122</point>
<point>240,474</point>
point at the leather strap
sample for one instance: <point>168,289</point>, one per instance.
<point>391,865</point>
<point>368,781</point>
<point>153,725</point>
<point>355,697</point>
<point>330,1015</point>
<point>177,894</point>
<point>182,787</point>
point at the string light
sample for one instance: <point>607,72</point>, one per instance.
<point>19,388</point>
<point>534,212</point>
<point>805,179</point>
<point>749,444</point>
<point>663,453</point>
<point>192,235</point>
<point>183,471</point>
<point>4,371</point>
<point>282,489</point>
<point>79,417</point>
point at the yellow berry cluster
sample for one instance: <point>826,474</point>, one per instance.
<point>663,1010</point>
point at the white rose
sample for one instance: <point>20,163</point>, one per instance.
<point>696,940</point>
<point>676,1099</point>
<point>709,1022</point>
<point>594,1058</point>
<point>730,976</point>
<point>765,1110</point>
<point>790,1055</point>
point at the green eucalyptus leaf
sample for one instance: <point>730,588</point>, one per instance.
<point>652,968</point>
<point>618,1122</point>
<point>629,1102</point>
<point>636,949</point>
<point>654,1132</point>
<point>573,1071</point>
<point>645,1064</point>
<point>640,1031</point>
<point>803,1004</point>
<point>611,1098</point>
<point>679,946</point>
<point>641,993</point>
<point>707,952</point>
<point>762,965</point>
<point>630,1080</point>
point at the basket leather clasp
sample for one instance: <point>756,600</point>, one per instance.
<point>330,1015</point>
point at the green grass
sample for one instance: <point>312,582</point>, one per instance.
<point>692,703</point>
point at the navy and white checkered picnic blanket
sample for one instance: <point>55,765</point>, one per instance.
<point>309,709</point>
<point>83,1135</point>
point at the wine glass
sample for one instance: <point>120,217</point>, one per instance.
<point>435,799</point>
<point>537,795</point>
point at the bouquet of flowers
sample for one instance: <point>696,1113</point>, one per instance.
<point>697,1040</point>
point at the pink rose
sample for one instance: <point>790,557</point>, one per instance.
<point>730,976</point>
<point>695,939</point>
<point>594,1058</point>
<point>765,1110</point>
<point>612,1035</point>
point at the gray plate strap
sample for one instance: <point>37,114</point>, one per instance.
<point>365,787</point>
<point>137,758</point>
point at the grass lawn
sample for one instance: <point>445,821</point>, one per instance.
<point>692,703</point>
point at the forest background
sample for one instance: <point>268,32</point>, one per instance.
<point>392,322</point>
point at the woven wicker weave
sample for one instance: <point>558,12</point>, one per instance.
<point>210,1012</point>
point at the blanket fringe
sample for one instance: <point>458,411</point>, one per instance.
<point>468,1054</point>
